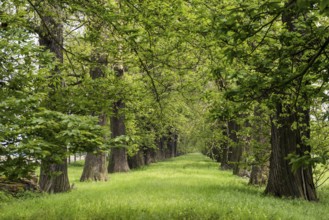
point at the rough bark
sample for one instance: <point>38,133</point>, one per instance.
<point>284,141</point>
<point>118,160</point>
<point>95,168</point>
<point>53,177</point>
<point>118,156</point>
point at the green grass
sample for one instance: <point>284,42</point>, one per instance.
<point>187,187</point>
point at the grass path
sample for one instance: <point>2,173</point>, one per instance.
<point>186,187</point>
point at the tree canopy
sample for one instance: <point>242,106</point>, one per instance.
<point>244,82</point>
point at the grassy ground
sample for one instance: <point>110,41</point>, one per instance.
<point>187,187</point>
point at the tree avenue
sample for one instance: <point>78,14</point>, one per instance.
<point>131,83</point>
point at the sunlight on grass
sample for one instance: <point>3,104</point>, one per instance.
<point>187,187</point>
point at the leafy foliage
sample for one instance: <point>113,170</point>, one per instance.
<point>190,68</point>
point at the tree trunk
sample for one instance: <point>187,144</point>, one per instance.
<point>118,155</point>
<point>175,150</point>
<point>284,141</point>
<point>95,164</point>
<point>153,155</point>
<point>224,159</point>
<point>148,156</point>
<point>215,152</point>
<point>237,149</point>
<point>118,160</point>
<point>257,175</point>
<point>170,145</point>
<point>95,168</point>
<point>160,149</point>
<point>137,160</point>
<point>224,163</point>
<point>237,152</point>
<point>53,177</point>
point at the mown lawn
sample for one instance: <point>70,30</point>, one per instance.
<point>186,187</point>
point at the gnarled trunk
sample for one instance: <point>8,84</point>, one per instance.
<point>53,177</point>
<point>286,140</point>
<point>95,168</point>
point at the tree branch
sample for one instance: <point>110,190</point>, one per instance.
<point>309,65</point>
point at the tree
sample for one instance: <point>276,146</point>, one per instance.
<point>39,127</point>
<point>118,156</point>
<point>95,167</point>
<point>53,177</point>
<point>287,140</point>
<point>282,62</point>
